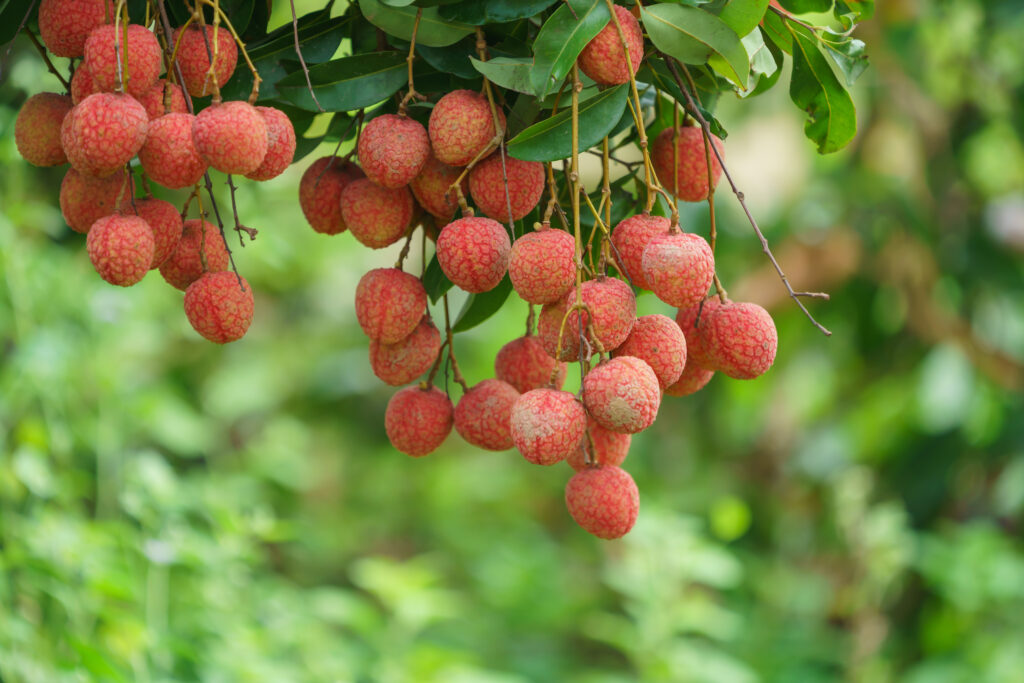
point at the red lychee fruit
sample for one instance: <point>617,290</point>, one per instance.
<point>473,253</point>
<point>37,129</point>
<point>120,248</point>
<point>389,304</point>
<point>524,364</point>
<point>525,186</point>
<point>164,220</point>
<point>603,500</point>
<point>320,192</point>
<point>155,103</point>
<point>141,62</point>
<point>64,25</point>
<point>169,155</point>
<point>693,379</point>
<point>629,239</point>
<point>622,395</point>
<point>483,416</point>
<point>606,447</point>
<point>691,321</point>
<point>405,360</point>
<point>541,265</point>
<point>107,130</point>
<point>85,199</point>
<point>613,306</point>
<point>280,144</point>
<point>685,173</point>
<point>185,265</point>
<point>418,420</point>
<point>194,53</point>
<point>67,128</point>
<point>604,59</point>
<point>741,339</point>
<point>82,84</point>
<point>658,341</point>
<point>432,184</point>
<point>231,137</point>
<point>375,215</point>
<point>680,267</point>
<point>392,149</point>
<point>220,306</point>
<point>461,127</point>
<point>547,425</point>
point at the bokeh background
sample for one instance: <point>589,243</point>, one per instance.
<point>171,510</point>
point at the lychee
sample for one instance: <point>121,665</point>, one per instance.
<point>120,248</point>
<point>193,56</point>
<point>320,192</point>
<point>389,304</point>
<point>185,264</point>
<point>684,172</point>
<point>418,420</point>
<point>107,130</point>
<point>542,265</point>
<point>629,239</point>
<point>67,129</point>
<point>141,62</point>
<point>622,394</point>
<point>613,306</point>
<point>461,127</point>
<point>408,358</point>
<point>431,188</point>
<point>375,215</point>
<point>488,187</point>
<point>658,341</point>
<point>547,425</point>
<point>603,500</point>
<point>605,447</point>
<point>220,306</point>
<point>604,59</point>
<point>169,156</point>
<point>484,413</point>
<point>392,149</point>
<point>155,102</point>
<point>680,267</point>
<point>691,321</point>
<point>64,25</point>
<point>82,84</point>
<point>473,253</point>
<point>693,379</point>
<point>524,364</point>
<point>741,340</point>
<point>280,144</point>
<point>164,220</point>
<point>37,129</point>
<point>231,137</point>
<point>85,199</point>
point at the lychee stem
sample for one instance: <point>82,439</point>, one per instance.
<point>412,94</point>
<point>46,59</point>
<point>302,60</point>
<point>456,373</point>
<point>218,15</point>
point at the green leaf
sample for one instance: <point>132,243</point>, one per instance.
<point>561,39</point>
<point>832,120</point>
<point>847,53</point>
<point>433,31</point>
<point>480,307</point>
<point>776,31</point>
<point>743,16</point>
<point>347,83</point>
<point>551,139</point>
<point>694,36</point>
<point>765,79</point>
<point>452,59</point>
<point>480,12</point>
<point>849,12</point>
<point>806,6</point>
<point>762,62</point>
<point>319,36</point>
<point>509,73</point>
<point>435,281</point>
<point>657,73</point>
<point>11,16</point>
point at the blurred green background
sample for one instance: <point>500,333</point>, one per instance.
<point>171,510</point>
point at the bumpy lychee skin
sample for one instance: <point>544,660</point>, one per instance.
<point>405,360</point>
<point>541,267</point>
<point>461,127</point>
<point>687,178</point>
<point>194,59</point>
<point>376,216</point>
<point>603,500</point>
<point>220,306</point>
<point>607,447</point>
<point>82,84</point>
<point>525,365</point>
<point>85,199</point>
<point>630,237</point>
<point>418,420</point>
<point>431,186</point>
<point>231,137</point>
<point>389,304</point>
<point>622,395</point>
<point>525,186</point>
<point>483,416</point>
<point>153,100</point>
<point>320,193</point>
<point>692,321</point>
<point>120,248</point>
<point>184,266</point>
<point>37,129</point>
<point>165,221</point>
<point>473,253</point>
<point>141,62</point>
<point>392,149</point>
<point>603,58</point>
<point>613,306</point>
<point>280,144</point>
<point>693,379</point>
<point>547,425</point>
<point>108,129</point>
<point>169,156</point>
<point>64,25</point>
<point>741,340</point>
<point>680,267</point>
<point>658,341</point>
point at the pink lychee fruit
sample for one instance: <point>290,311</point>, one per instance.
<point>680,267</point>
<point>185,264</point>
<point>406,359</point>
<point>605,447</point>
<point>431,188</point>
<point>622,394</point>
<point>629,239</point>
<point>376,216</point>
<point>169,156</point>
<point>64,25</point>
<point>741,340</point>
<point>483,416</point>
<point>120,248</point>
<point>611,302</point>
<point>165,221</point>
<point>141,62</point>
<point>389,304</point>
<point>280,144</point>
<point>194,52</point>
<point>473,253</point>
<point>418,420</point>
<point>220,306</point>
<point>524,188</point>
<point>82,84</point>
<point>37,129</point>
<point>107,130</point>
<point>525,365</point>
<point>155,101</point>
<point>547,425</point>
<point>85,199</point>
<point>693,379</point>
<point>684,172</point>
<point>658,341</point>
<point>541,265</point>
<point>603,500</point>
<point>231,137</point>
<point>461,127</point>
<point>692,321</point>
<point>604,59</point>
<point>320,193</point>
<point>393,149</point>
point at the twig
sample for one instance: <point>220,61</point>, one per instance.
<point>456,373</point>
<point>46,58</point>
<point>410,58</point>
<point>239,228</point>
<point>302,61</point>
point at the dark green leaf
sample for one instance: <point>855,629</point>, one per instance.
<point>480,12</point>
<point>480,307</point>
<point>348,83</point>
<point>847,53</point>
<point>806,6</point>
<point>319,37</point>
<point>435,281</point>
<point>399,21</point>
<point>832,120</point>
<point>656,72</point>
<point>509,73</point>
<point>551,139</point>
<point>743,16</point>
<point>849,12</point>
<point>560,41</point>
<point>11,16</point>
<point>776,32</point>
<point>397,3</point>
<point>694,36</point>
<point>453,59</point>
